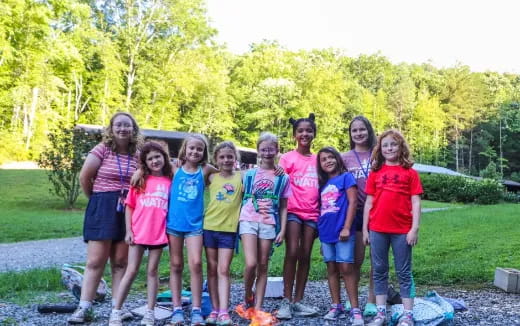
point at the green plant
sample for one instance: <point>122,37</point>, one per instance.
<point>511,197</point>
<point>447,188</point>
<point>63,160</point>
<point>490,172</point>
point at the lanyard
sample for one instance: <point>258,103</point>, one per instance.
<point>365,172</point>
<point>121,172</point>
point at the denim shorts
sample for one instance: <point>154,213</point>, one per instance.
<point>295,218</point>
<point>261,230</point>
<point>219,239</point>
<point>339,252</point>
<point>182,234</point>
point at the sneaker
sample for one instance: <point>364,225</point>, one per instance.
<point>378,320</point>
<point>301,310</point>
<point>148,318</point>
<point>370,310</point>
<point>335,313</point>
<point>196,317</point>
<point>347,306</point>
<point>356,318</point>
<point>126,314</point>
<point>212,318</point>
<point>177,318</point>
<point>81,315</point>
<point>406,320</point>
<point>224,320</point>
<point>115,319</point>
<point>284,312</point>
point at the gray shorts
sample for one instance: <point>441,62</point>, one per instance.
<point>261,230</point>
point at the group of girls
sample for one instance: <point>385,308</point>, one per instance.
<point>323,194</point>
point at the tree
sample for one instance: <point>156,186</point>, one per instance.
<point>63,159</point>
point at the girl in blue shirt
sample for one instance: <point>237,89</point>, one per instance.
<point>184,223</point>
<point>338,202</point>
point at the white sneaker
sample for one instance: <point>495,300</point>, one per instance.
<point>284,312</point>
<point>148,318</point>
<point>81,315</point>
<point>301,310</point>
<point>115,319</point>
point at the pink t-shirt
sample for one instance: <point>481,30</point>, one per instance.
<point>304,185</point>
<point>108,177</point>
<point>150,208</point>
<point>263,183</point>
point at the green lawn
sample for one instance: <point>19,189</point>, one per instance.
<point>436,204</point>
<point>460,246</point>
<point>29,211</point>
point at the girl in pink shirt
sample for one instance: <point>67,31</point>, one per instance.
<point>302,215</point>
<point>146,208</point>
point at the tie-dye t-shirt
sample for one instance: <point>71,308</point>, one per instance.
<point>263,184</point>
<point>334,205</point>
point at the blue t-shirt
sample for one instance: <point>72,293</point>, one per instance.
<point>333,209</point>
<point>186,206</point>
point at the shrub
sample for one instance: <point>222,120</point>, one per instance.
<point>447,188</point>
<point>490,172</point>
<point>511,197</point>
<point>63,160</point>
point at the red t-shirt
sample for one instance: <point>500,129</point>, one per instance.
<point>392,188</point>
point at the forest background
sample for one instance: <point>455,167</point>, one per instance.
<point>64,62</point>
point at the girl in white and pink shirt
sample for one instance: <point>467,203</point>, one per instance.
<point>302,216</point>
<point>146,208</point>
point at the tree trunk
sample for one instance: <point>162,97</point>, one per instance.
<point>500,146</point>
<point>32,117</point>
<point>456,148</point>
<point>470,149</point>
<point>130,77</point>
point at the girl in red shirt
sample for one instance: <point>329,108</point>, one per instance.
<point>391,218</point>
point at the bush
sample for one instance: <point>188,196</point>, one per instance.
<point>511,197</point>
<point>63,160</point>
<point>447,188</point>
<point>490,172</point>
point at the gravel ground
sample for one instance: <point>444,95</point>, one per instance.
<point>488,306</point>
<point>41,253</point>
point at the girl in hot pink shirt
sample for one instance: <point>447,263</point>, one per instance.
<point>146,208</point>
<point>302,215</point>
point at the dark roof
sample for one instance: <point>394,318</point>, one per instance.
<point>425,168</point>
<point>148,133</point>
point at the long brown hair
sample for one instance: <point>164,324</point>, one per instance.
<point>323,177</point>
<point>148,147</point>
<point>372,139</point>
<point>135,142</point>
<point>404,156</point>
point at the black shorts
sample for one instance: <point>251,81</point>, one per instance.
<point>151,247</point>
<point>102,221</point>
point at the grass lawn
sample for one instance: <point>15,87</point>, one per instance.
<point>459,247</point>
<point>29,211</point>
<point>436,204</point>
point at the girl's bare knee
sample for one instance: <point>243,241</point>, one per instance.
<point>196,267</point>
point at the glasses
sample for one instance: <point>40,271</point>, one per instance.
<point>268,150</point>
